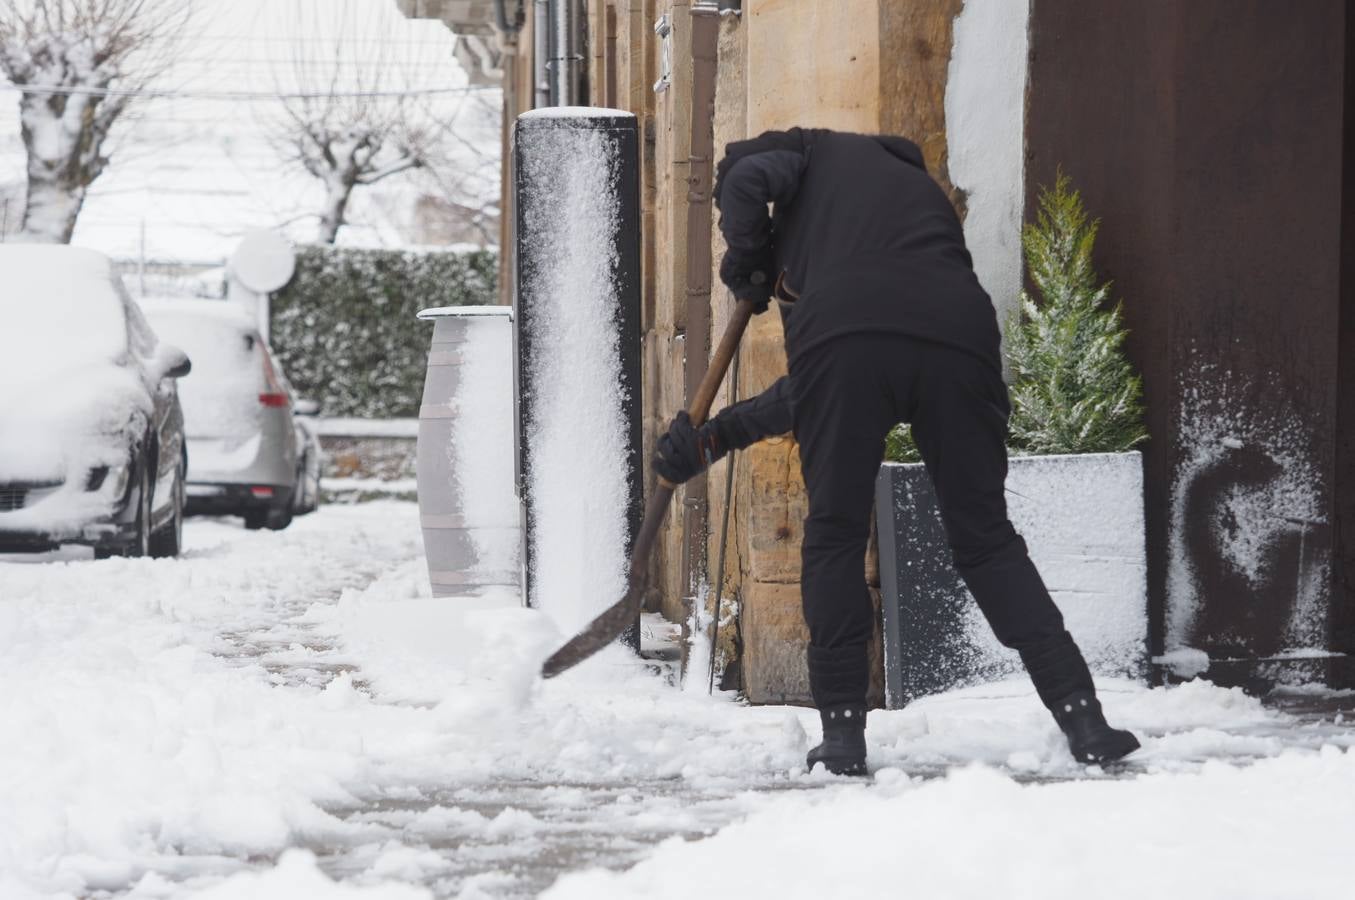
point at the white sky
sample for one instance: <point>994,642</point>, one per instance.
<point>201,172</point>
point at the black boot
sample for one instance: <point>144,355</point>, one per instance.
<point>1090,739</point>
<point>843,751</point>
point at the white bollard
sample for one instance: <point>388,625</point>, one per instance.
<point>467,503</point>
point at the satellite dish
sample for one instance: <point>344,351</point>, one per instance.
<point>264,262</point>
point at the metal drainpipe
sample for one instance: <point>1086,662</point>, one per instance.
<point>540,53</point>
<point>700,163</point>
<point>511,30</point>
<point>565,68</point>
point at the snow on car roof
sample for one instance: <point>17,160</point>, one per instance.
<point>58,305</point>
<point>159,308</point>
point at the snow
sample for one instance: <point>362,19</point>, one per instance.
<point>185,723</point>
<point>381,485</point>
<point>63,303</point>
<point>1247,497</point>
<point>1225,832</point>
<point>297,876</point>
<point>75,382</point>
<point>1082,518</point>
<point>438,312</point>
<point>382,428</point>
<point>220,395</point>
<point>577,482</point>
<point>575,112</point>
<point>481,448</point>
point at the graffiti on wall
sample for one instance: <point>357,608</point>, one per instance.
<point>1247,520</point>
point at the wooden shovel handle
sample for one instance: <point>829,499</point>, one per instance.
<point>699,411</point>
<point>719,363</point>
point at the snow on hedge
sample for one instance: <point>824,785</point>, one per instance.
<point>346,332</point>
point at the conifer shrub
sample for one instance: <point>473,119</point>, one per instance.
<point>1072,388</point>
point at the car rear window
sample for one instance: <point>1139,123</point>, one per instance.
<point>220,397</point>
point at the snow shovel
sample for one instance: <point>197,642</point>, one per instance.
<point>608,626</point>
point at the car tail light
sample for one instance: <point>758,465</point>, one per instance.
<point>260,490</point>
<point>274,395</point>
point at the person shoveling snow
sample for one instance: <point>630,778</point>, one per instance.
<point>884,322</point>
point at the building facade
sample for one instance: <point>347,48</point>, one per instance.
<point>1211,138</point>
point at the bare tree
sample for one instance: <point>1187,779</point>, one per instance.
<point>358,103</point>
<point>80,64</point>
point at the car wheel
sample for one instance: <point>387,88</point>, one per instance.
<point>141,542</point>
<point>168,541</point>
<point>279,517</point>
<point>298,503</point>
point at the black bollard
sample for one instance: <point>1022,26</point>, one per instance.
<point>577,330</point>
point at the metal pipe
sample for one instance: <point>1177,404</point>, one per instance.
<point>564,70</point>
<point>730,461</point>
<point>540,53</point>
<point>705,43</point>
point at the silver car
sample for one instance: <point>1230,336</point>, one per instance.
<point>244,456</point>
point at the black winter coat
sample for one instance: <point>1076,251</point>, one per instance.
<point>863,235</point>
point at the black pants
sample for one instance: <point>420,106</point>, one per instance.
<point>848,394</point>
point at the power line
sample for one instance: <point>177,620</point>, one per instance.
<point>242,95</point>
<point>447,42</point>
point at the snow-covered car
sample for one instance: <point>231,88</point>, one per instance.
<point>244,456</point>
<point>91,431</point>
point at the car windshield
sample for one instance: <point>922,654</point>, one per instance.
<point>220,397</point>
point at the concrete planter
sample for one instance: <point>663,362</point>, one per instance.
<point>1082,517</point>
<point>467,504</point>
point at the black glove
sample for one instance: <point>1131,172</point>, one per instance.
<point>685,451</point>
<point>750,276</point>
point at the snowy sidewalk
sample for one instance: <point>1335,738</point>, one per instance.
<point>276,710</point>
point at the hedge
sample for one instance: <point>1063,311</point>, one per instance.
<point>345,328</point>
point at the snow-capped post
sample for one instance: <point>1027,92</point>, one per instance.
<point>465,469</point>
<point>577,320</point>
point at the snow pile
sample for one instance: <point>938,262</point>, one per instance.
<point>575,431</point>
<point>296,876</point>
<point>136,748</point>
<point>1223,833</point>
<point>182,723</point>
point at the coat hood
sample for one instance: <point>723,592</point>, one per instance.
<point>902,148</point>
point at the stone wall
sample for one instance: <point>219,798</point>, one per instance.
<point>857,65</point>
<point>863,65</point>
